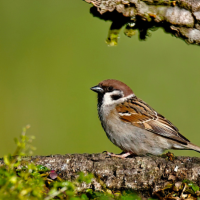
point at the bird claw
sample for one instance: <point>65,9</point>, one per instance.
<point>123,155</point>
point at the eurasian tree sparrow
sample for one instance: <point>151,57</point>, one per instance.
<point>133,125</point>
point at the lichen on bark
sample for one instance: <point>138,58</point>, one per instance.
<point>181,18</point>
<point>137,173</point>
<point>147,175</point>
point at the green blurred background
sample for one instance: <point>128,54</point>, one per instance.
<point>52,52</point>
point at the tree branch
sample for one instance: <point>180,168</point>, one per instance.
<point>147,175</point>
<point>178,17</point>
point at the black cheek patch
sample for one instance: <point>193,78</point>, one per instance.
<point>116,96</point>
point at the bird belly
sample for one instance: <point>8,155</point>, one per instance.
<point>133,139</point>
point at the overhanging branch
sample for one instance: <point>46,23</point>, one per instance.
<point>178,17</point>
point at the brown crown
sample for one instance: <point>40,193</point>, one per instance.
<point>117,85</point>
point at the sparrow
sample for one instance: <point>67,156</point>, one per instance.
<point>132,125</point>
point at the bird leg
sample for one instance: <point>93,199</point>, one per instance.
<point>122,155</point>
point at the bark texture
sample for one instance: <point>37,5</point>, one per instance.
<point>179,17</point>
<point>147,174</point>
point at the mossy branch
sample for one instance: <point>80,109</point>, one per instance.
<point>96,176</point>
<point>181,18</point>
<point>147,175</point>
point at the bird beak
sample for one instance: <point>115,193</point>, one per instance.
<point>97,89</point>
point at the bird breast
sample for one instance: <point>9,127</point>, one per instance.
<point>128,137</point>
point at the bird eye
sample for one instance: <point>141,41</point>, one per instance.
<point>116,96</point>
<point>110,89</point>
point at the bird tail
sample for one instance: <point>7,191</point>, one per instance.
<point>194,147</point>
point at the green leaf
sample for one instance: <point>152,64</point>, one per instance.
<point>6,160</point>
<point>42,168</point>
<point>194,187</point>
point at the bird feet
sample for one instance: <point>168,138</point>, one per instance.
<point>122,155</point>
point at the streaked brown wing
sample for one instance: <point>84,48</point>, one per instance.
<point>140,114</point>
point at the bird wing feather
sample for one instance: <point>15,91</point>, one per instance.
<point>140,114</point>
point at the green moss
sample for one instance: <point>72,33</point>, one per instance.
<point>22,180</point>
